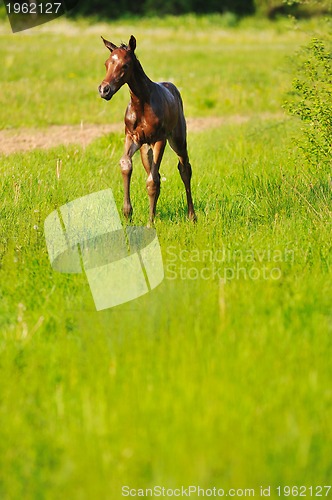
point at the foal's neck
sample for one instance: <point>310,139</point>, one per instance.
<point>140,85</point>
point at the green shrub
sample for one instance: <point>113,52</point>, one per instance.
<point>297,8</point>
<point>311,100</point>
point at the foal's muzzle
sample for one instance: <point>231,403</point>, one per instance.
<point>105,92</point>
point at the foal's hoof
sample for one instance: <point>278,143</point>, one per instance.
<point>193,217</point>
<point>128,213</point>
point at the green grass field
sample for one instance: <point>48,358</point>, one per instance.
<point>221,376</point>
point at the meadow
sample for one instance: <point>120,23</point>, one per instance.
<point>219,377</point>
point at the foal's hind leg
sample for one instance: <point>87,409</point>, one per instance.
<point>186,173</point>
<point>179,145</point>
<point>151,159</point>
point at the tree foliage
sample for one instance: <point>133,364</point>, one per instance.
<point>271,8</point>
<point>119,8</point>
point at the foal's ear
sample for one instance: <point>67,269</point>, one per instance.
<point>132,43</point>
<point>109,45</point>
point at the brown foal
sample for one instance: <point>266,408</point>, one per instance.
<point>153,116</point>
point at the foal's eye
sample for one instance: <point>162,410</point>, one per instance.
<point>125,66</point>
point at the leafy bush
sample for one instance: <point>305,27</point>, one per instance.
<point>311,100</point>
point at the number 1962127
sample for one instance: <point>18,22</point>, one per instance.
<point>33,8</point>
<point>303,491</point>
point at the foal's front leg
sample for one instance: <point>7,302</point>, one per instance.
<point>126,165</point>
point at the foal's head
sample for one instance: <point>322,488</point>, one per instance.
<point>119,67</point>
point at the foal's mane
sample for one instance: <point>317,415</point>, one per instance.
<point>139,67</point>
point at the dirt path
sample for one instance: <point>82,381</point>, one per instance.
<point>27,139</point>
